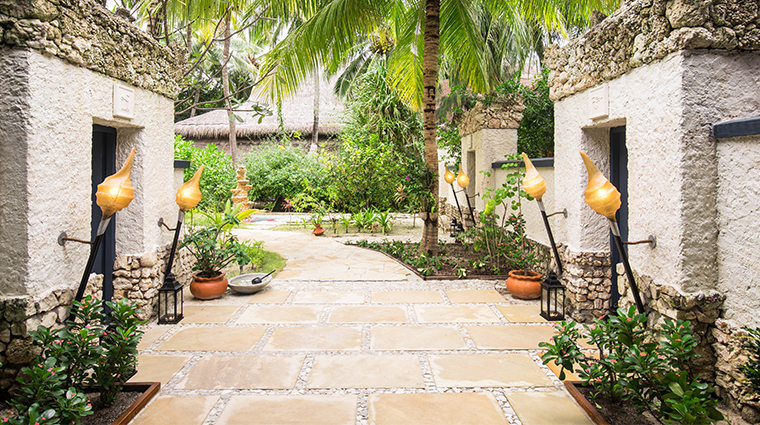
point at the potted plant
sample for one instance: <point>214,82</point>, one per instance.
<point>214,247</point>
<point>646,366</point>
<point>316,220</point>
<point>522,282</point>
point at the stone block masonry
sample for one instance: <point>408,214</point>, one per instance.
<point>84,33</point>
<point>587,283</point>
<point>646,31</point>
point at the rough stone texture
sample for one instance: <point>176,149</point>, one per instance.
<point>50,184</point>
<point>731,386</point>
<point>86,34</point>
<point>646,31</point>
<point>587,283</point>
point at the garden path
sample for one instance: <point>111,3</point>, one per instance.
<point>347,336</point>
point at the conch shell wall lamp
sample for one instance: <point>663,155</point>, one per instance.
<point>604,198</point>
<point>450,177</point>
<point>535,185</point>
<point>113,195</point>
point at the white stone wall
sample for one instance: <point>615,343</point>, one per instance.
<point>649,101</point>
<point>479,150</point>
<point>64,101</point>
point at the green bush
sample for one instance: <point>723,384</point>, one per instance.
<point>535,136</point>
<point>281,171</point>
<point>218,176</point>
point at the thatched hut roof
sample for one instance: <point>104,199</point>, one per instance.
<point>297,114</point>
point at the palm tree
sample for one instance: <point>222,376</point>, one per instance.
<point>330,36</point>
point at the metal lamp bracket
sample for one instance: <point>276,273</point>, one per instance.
<point>161,222</point>
<point>63,238</point>
<point>563,211</point>
<point>652,241</point>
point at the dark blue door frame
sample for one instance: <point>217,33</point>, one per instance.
<point>103,165</point>
<point>619,178</point>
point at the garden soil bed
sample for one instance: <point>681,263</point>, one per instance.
<point>447,271</point>
<point>128,404</point>
<point>608,412</point>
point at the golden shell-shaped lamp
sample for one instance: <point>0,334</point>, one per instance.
<point>462,179</point>
<point>189,194</point>
<point>449,176</point>
<point>600,194</point>
<point>116,191</point>
<point>533,183</point>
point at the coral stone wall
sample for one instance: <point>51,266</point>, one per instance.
<point>645,32</point>
<point>86,34</point>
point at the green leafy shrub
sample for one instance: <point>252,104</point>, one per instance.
<point>280,171</point>
<point>218,176</point>
<point>535,136</point>
<point>649,367</point>
<point>92,351</point>
<point>751,368</point>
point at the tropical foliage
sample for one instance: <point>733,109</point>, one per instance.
<point>218,176</point>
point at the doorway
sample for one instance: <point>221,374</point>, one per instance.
<point>619,178</point>
<point>103,165</point>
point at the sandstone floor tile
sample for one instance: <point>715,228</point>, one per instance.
<point>366,371</point>
<point>209,313</point>
<point>280,314</point>
<point>328,297</point>
<point>531,408</point>
<point>475,296</point>
<point>269,297</point>
<point>310,338</point>
<point>228,372</point>
<point>368,314</point>
<point>289,410</point>
<point>185,410</point>
<point>487,370</point>
<point>406,297</point>
<point>152,335</point>
<point>415,338</point>
<point>455,314</point>
<point>510,337</point>
<point>522,313</point>
<point>152,368</point>
<point>436,409</point>
<point>213,339</point>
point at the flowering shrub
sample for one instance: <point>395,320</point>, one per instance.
<point>646,366</point>
<point>93,350</point>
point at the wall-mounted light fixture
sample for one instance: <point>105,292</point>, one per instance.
<point>113,195</point>
<point>170,299</point>
<point>604,198</point>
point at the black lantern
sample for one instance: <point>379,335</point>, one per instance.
<point>552,298</point>
<point>456,228</point>
<point>170,302</point>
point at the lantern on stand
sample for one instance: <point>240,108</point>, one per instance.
<point>170,298</point>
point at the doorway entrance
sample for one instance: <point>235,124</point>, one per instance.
<point>103,165</point>
<point>619,178</point>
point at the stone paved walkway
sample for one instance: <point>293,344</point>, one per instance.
<point>346,336</point>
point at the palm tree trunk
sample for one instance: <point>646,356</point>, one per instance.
<point>315,128</point>
<point>226,88</point>
<point>429,243</point>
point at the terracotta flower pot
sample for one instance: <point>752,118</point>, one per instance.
<point>318,230</point>
<point>524,287</point>
<point>208,288</point>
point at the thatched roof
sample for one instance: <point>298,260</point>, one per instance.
<point>297,114</point>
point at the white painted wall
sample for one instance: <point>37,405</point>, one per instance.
<point>64,102</point>
<point>649,101</point>
<point>679,176</point>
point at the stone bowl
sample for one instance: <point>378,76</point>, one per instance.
<point>242,283</point>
